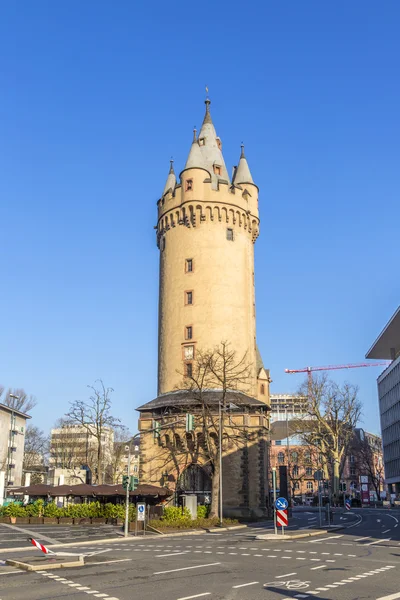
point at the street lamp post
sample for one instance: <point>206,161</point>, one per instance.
<point>220,462</point>
<point>288,453</point>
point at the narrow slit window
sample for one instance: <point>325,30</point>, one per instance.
<point>189,370</point>
<point>188,332</point>
<point>189,185</point>
<point>189,265</point>
<point>188,297</point>
<point>229,234</point>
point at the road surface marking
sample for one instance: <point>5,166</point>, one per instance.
<point>196,596</point>
<point>378,542</point>
<point>331,537</point>
<point>173,554</point>
<point>186,569</point>
<point>368,537</point>
<point>331,585</point>
<point>301,596</point>
<point>391,597</point>
<point>320,567</point>
<point>12,572</point>
<point>245,584</point>
<point>268,555</point>
<point>109,562</point>
<point>386,530</point>
<point>325,589</point>
<point>287,557</point>
<point>287,575</point>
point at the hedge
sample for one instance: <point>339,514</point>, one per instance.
<point>79,511</point>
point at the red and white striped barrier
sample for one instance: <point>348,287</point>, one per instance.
<point>282,518</point>
<point>40,546</point>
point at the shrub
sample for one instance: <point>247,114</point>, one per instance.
<point>174,514</point>
<point>15,510</point>
<point>35,509</point>
<point>202,511</point>
<point>51,510</point>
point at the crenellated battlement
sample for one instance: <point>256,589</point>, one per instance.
<point>193,214</point>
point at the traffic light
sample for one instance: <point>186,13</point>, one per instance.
<point>189,422</point>
<point>133,483</point>
<point>125,482</point>
<point>156,426</point>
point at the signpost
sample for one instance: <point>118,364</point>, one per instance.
<point>282,519</point>
<point>141,515</point>
<point>348,504</point>
<point>274,492</point>
<point>281,505</point>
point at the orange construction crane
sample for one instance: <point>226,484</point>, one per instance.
<point>309,370</point>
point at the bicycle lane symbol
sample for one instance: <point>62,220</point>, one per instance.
<point>291,584</point>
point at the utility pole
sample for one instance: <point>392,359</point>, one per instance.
<point>274,496</point>
<point>220,464</point>
<point>126,525</point>
<point>288,455</point>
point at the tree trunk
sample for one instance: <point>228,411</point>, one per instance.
<point>336,475</point>
<point>214,510</point>
<point>99,463</point>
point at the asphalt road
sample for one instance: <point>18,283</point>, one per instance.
<point>357,562</point>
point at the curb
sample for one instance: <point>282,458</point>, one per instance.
<point>124,539</point>
<point>295,536</point>
<point>48,566</point>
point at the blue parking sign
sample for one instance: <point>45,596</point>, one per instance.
<point>281,504</point>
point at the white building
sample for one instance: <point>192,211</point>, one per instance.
<point>387,346</point>
<point>12,440</point>
<point>73,448</point>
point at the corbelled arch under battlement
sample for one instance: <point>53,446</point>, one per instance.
<point>197,213</point>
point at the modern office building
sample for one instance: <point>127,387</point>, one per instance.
<point>12,440</point>
<point>387,346</point>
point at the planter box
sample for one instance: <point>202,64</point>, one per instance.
<point>5,519</point>
<point>36,520</point>
<point>66,521</point>
<point>99,521</point>
<point>22,520</point>
<point>82,521</point>
<point>50,520</point>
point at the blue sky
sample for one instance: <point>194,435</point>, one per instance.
<point>95,99</point>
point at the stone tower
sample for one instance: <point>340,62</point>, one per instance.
<point>207,225</point>
<point>206,229</point>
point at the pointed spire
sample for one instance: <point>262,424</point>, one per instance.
<point>195,158</point>
<point>171,179</point>
<point>243,174</point>
<point>210,147</point>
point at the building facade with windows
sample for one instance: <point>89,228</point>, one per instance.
<point>12,440</point>
<point>387,347</point>
<point>207,225</point>
<point>73,454</point>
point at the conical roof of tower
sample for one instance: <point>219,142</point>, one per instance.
<point>207,150</point>
<point>171,179</point>
<point>242,173</point>
<point>195,158</point>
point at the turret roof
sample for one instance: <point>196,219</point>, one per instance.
<point>171,179</point>
<point>205,152</point>
<point>242,173</point>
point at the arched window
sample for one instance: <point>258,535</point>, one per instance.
<point>307,457</point>
<point>310,486</point>
<point>295,471</point>
<point>296,485</point>
<point>295,457</point>
<point>281,458</point>
<point>262,389</point>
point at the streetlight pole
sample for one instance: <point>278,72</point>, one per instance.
<point>220,462</point>
<point>288,453</point>
<point>126,525</point>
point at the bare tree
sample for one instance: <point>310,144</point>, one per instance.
<point>116,468</point>
<point>69,450</point>
<point>368,463</point>
<point>18,399</point>
<point>95,417</point>
<point>209,390</point>
<point>332,413</point>
<point>36,448</point>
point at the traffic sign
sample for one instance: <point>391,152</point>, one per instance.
<point>281,504</point>
<point>141,511</point>
<point>282,518</point>
<point>348,504</point>
<point>318,475</point>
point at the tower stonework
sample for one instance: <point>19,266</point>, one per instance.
<point>206,229</point>
<point>212,222</point>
